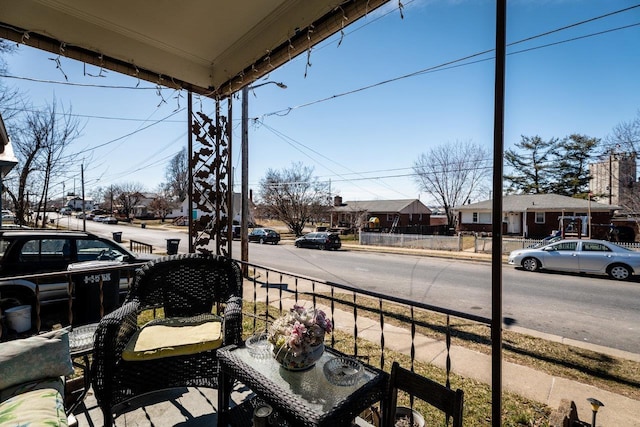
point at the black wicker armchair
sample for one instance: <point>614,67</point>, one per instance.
<point>184,286</point>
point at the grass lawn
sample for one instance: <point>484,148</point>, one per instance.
<point>517,411</point>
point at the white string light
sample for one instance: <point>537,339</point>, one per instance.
<point>306,67</point>
<point>344,19</point>
<point>59,66</point>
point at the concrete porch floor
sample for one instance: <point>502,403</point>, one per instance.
<point>192,407</point>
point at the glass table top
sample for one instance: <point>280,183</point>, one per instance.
<point>81,338</point>
<point>310,385</point>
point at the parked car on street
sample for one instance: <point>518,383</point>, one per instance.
<point>264,235</point>
<point>582,256</point>
<point>110,220</point>
<point>320,240</point>
<point>8,216</point>
<point>85,215</point>
<point>24,252</point>
<point>101,218</point>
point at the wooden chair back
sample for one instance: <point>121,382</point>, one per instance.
<point>445,399</point>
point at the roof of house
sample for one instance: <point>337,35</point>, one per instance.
<point>538,202</point>
<point>384,206</point>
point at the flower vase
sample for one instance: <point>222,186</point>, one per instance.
<point>299,362</point>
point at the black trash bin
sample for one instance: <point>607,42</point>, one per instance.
<point>172,246</point>
<point>86,306</point>
<point>117,236</point>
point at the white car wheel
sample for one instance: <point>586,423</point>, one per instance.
<point>530,264</point>
<point>619,272</point>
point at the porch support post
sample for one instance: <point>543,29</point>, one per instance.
<point>191,171</point>
<point>496,252</point>
<point>244,190</point>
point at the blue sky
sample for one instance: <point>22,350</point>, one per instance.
<point>366,141</point>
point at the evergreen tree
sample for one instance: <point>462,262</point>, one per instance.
<point>532,165</point>
<point>572,165</point>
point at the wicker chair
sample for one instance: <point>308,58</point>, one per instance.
<point>184,285</point>
<point>445,399</point>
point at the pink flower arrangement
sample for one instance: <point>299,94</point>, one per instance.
<point>299,330</point>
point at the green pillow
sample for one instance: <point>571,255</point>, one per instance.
<point>34,358</point>
<point>174,337</point>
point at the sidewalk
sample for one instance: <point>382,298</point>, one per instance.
<point>619,411</point>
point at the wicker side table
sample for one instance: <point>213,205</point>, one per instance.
<point>301,398</point>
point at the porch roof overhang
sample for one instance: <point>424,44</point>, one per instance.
<point>209,47</point>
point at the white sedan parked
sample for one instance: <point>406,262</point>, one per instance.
<point>584,256</point>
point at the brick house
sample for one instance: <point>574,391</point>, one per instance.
<point>386,215</point>
<point>538,215</point>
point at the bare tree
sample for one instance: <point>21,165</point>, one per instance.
<point>625,137</point>
<point>293,195</point>
<point>452,174</point>
<point>177,175</point>
<point>127,196</point>
<point>162,205</point>
<point>40,144</point>
<point>11,99</point>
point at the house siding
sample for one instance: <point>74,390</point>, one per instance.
<point>599,223</point>
<point>353,214</point>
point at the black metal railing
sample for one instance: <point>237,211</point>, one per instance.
<point>348,307</point>
<point>140,247</point>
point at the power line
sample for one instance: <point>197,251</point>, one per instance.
<point>566,27</point>
<point>58,82</point>
<point>88,116</point>
<point>297,143</point>
<point>464,61</point>
<point>404,175</point>
<point>127,135</point>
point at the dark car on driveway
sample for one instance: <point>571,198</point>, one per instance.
<point>320,240</point>
<point>264,235</point>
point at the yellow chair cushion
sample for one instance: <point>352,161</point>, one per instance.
<point>174,337</point>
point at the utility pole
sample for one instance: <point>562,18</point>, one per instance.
<point>610,176</point>
<point>84,209</point>
<point>244,193</point>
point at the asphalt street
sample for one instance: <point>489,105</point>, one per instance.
<point>591,309</point>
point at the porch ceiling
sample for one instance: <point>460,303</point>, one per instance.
<point>210,47</point>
